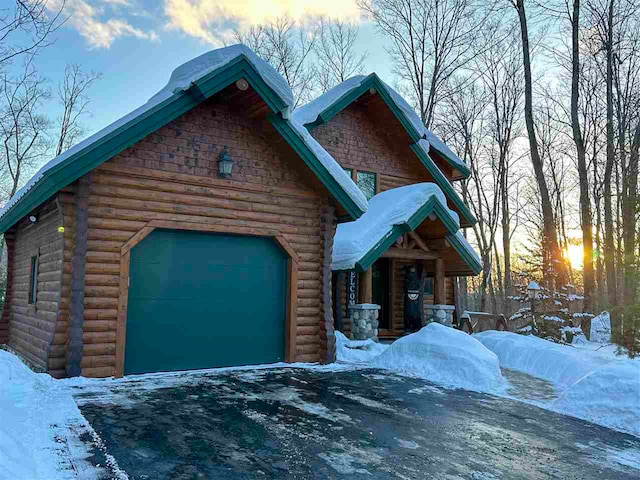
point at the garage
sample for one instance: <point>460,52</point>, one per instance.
<point>203,300</point>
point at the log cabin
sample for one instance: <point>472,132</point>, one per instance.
<point>198,230</point>
<point>414,215</point>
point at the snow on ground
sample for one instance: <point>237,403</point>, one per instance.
<point>596,386</point>
<point>356,351</point>
<point>601,328</point>
<point>37,416</point>
<point>445,356</point>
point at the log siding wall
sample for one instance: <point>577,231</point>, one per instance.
<point>32,326</point>
<point>172,175</point>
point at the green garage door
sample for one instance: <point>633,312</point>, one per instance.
<point>201,300</point>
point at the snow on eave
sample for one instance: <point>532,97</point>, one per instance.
<point>464,243</point>
<point>353,240</point>
<point>331,165</point>
<point>309,112</point>
<point>181,79</point>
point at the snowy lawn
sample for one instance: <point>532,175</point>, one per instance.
<point>591,381</point>
<point>596,386</point>
<point>37,417</point>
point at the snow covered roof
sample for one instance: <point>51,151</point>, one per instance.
<point>391,213</point>
<point>188,85</point>
<point>332,101</point>
<point>187,73</point>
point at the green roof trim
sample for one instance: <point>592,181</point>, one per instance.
<point>373,81</point>
<point>444,184</point>
<point>300,147</point>
<point>463,169</point>
<point>469,259</point>
<point>433,205</point>
<point>134,130</point>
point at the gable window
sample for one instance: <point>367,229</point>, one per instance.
<point>33,280</point>
<point>366,181</point>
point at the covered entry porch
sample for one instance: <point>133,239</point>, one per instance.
<point>394,267</point>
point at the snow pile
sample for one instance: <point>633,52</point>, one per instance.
<point>445,356</point>
<point>32,406</point>
<point>356,351</point>
<point>598,387</point>
<point>387,209</point>
<point>608,396</point>
<point>601,328</point>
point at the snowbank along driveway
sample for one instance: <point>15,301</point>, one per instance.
<point>318,423</point>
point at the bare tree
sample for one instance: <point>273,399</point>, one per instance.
<point>25,28</point>
<point>431,40</point>
<point>581,154</point>
<point>72,95</point>
<point>289,48</point>
<point>500,70</point>
<point>553,263</point>
<point>22,129</point>
<point>336,51</point>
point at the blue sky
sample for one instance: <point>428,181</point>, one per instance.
<point>136,44</point>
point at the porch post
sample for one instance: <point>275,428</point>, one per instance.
<point>439,297</point>
<point>365,287</point>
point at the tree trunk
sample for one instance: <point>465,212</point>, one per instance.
<point>629,208</point>
<point>585,202</point>
<point>609,248</point>
<point>552,257</point>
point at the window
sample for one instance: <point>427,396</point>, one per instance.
<point>33,280</point>
<point>348,171</point>
<point>428,286</point>
<point>366,181</point>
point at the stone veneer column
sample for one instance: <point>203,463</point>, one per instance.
<point>364,321</point>
<point>438,313</point>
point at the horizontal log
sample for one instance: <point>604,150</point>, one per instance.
<point>98,372</point>
<point>98,349</point>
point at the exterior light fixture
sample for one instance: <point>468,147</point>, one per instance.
<point>33,219</point>
<point>225,163</point>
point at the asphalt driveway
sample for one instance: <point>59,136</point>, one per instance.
<point>291,423</point>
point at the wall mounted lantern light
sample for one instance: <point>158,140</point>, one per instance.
<point>225,163</point>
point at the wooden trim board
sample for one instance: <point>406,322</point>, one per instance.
<point>125,261</point>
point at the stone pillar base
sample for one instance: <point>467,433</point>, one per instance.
<point>364,321</point>
<point>438,313</point>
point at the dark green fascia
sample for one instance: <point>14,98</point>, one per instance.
<point>432,205</point>
<point>444,184</point>
<point>300,147</point>
<point>468,258</point>
<point>136,129</point>
<point>463,169</point>
<point>371,81</point>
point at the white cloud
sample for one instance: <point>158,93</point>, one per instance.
<point>89,20</point>
<point>213,20</point>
